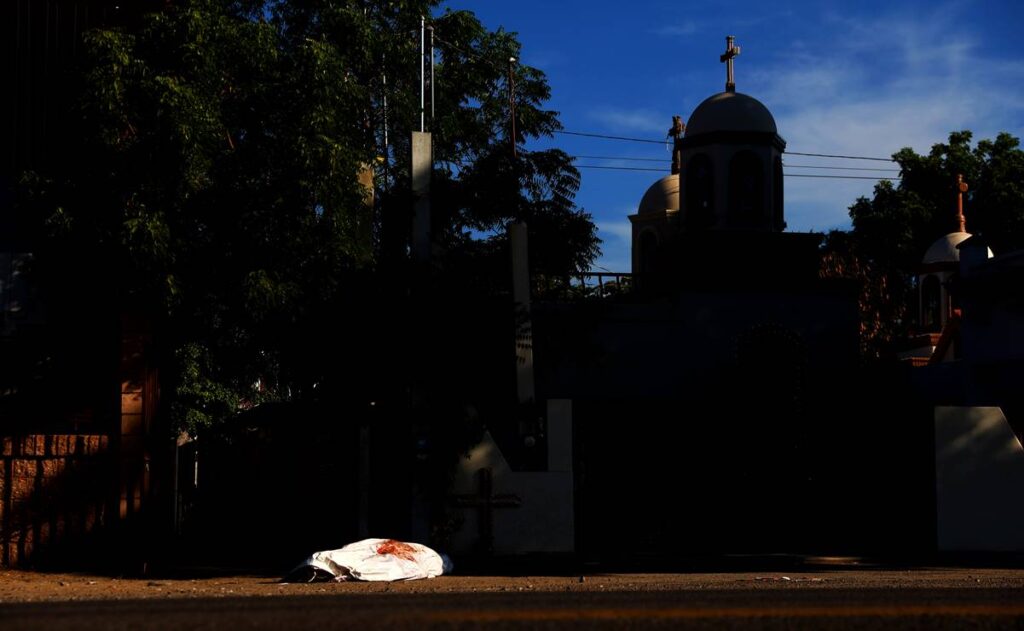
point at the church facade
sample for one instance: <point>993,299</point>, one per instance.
<point>707,403</point>
<point>710,392</point>
<point>730,179</point>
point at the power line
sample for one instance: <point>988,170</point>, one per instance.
<point>844,177</point>
<point>808,166</point>
<point>661,142</point>
<point>580,133</point>
<point>622,158</point>
<point>592,166</point>
<point>471,55</point>
<point>828,155</point>
<point>833,177</point>
<point>791,166</point>
<point>645,140</point>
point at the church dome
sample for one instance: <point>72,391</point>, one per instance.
<point>730,111</point>
<point>661,196</point>
<point>944,249</point>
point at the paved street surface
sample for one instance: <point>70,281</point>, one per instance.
<point>836,596</point>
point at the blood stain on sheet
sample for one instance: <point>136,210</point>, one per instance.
<point>398,549</point>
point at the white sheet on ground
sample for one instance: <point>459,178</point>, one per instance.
<point>381,560</point>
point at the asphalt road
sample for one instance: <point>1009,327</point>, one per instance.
<point>919,599</point>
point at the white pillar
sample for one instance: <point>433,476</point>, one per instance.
<point>422,168</point>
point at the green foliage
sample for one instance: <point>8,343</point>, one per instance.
<point>200,399</point>
<point>479,187</point>
<point>899,223</point>
<point>882,293</point>
<point>893,229</point>
<point>212,183</point>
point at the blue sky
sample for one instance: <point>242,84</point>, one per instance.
<point>853,78</point>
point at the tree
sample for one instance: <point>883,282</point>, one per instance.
<point>893,229</point>
<point>479,186</point>
<point>213,181</point>
<point>213,190</point>
<point>903,221</point>
<point>881,296</point>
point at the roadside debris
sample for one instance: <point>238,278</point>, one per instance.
<point>786,578</point>
<point>371,560</point>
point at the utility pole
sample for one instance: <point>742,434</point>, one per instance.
<point>423,157</point>
<point>431,28</point>
<point>423,96</point>
<point>512,102</point>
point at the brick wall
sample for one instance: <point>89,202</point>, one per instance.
<point>56,492</point>
<point>68,499</point>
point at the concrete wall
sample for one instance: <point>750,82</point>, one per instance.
<point>979,481</point>
<point>544,519</point>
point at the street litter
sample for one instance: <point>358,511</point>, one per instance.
<point>372,560</point>
<point>786,578</point>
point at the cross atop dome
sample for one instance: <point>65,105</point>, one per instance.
<point>961,188</point>
<point>731,51</point>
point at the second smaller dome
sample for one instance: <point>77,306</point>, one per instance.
<point>661,196</point>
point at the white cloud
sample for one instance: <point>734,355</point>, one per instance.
<point>878,86</point>
<point>837,83</point>
<point>617,237</point>
<point>616,230</point>
<point>633,120</point>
